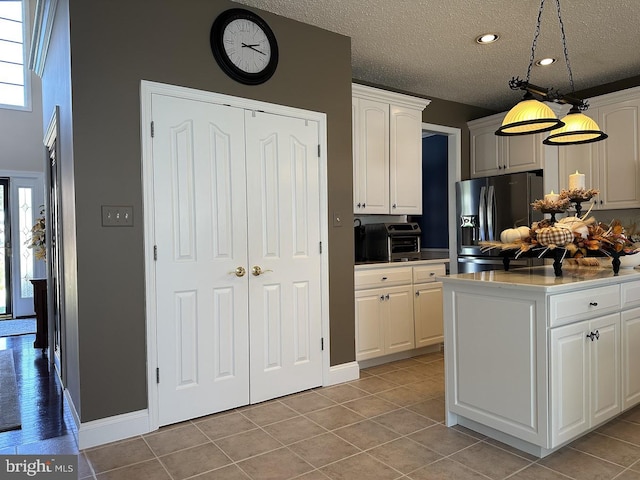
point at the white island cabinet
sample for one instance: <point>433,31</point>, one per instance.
<point>534,360</point>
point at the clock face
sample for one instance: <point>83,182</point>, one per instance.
<point>244,46</point>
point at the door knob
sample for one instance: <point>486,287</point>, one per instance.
<point>239,272</point>
<point>257,270</point>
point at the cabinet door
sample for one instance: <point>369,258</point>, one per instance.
<point>522,153</point>
<point>486,151</point>
<point>370,317</point>
<point>373,157</point>
<point>568,369</point>
<point>405,161</point>
<point>619,156</point>
<point>427,311</point>
<point>630,358</point>
<point>399,330</point>
<point>604,355</point>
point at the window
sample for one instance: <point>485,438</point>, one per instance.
<point>14,76</point>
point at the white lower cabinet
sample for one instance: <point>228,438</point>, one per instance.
<point>397,309</point>
<point>427,311</point>
<point>384,321</point>
<point>630,321</point>
<point>585,376</point>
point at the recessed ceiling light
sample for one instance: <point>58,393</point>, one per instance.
<point>487,38</point>
<point>545,61</point>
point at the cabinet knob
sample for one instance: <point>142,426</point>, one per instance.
<point>358,205</point>
<point>595,335</point>
<point>386,297</point>
<point>384,278</point>
<point>417,293</point>
<point>364,205</point>
<point>393,206</point>
<point>593,304</point>
<point>382,299</point>
<point>431,274</point>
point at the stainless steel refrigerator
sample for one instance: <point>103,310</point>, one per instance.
<point>485,207</point>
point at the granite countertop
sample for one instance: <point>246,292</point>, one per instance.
<point>543,277</point>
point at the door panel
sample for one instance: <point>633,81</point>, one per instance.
<point>200,211</point>
<point>283,191</point>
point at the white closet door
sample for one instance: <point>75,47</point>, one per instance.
<point>200,220</point>
<point>283,197</point>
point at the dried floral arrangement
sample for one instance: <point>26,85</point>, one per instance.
<point>37,240</point>
<point>559,205</point>
<point>583,194</point>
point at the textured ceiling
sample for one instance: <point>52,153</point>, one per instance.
<point>428,46</point>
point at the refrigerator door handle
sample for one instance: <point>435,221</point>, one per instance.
<point>482,214</point>
<point>491,210</point>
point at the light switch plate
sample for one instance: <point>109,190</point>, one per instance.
<point>117,216</point>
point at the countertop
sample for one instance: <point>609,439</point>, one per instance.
<point>426,258</point>
<point>543,278</point>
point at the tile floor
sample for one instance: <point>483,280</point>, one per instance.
<point>386,425</point>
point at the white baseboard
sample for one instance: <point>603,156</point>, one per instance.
<point>345,372</point>
<point>111,429</point>
<point>69,405</point>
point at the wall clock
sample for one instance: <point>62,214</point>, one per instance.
<point>244,46</point>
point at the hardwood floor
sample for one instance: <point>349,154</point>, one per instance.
<point>45,427</point>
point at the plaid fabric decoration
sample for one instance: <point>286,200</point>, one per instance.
<point>557,236</point>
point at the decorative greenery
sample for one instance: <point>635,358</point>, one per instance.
<point>38,238</point>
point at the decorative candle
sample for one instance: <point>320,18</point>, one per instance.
<point>551,197</point>
<point>576,181</point>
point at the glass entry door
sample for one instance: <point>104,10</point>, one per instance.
<point>6,310</point>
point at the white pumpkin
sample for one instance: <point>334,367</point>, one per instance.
<point>525,232</point>
<point>511,235</point>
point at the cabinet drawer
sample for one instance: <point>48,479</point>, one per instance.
<point>569,307</point>
<point>382,277</point>
<point>630,295</point>
<point>428,273</point>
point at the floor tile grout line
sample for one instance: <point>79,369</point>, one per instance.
<point>595,456</point>
<point>542,466</point>
<point>157,458</point>
<point>617,438</point>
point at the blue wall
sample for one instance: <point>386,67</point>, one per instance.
<point>434,221</point>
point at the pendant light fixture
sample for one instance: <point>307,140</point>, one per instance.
<point>532,116</point>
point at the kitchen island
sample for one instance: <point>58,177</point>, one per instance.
<point>535,360</point>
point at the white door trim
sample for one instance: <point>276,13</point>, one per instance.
<point>147,89</point>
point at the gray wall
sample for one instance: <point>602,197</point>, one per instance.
<point>56,91</point>
<point>114,45</point>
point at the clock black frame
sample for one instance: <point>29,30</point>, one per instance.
<point>219,53</point>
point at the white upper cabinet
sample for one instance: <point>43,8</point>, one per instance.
<point>495,155</point>
<point>612,165</point>
<point>387,152</point>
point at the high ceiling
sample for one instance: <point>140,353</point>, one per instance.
<point>428,46</point>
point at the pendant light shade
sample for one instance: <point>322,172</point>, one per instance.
<point>532,116</point>
<point>527,117</point>
<point>578,129</point>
